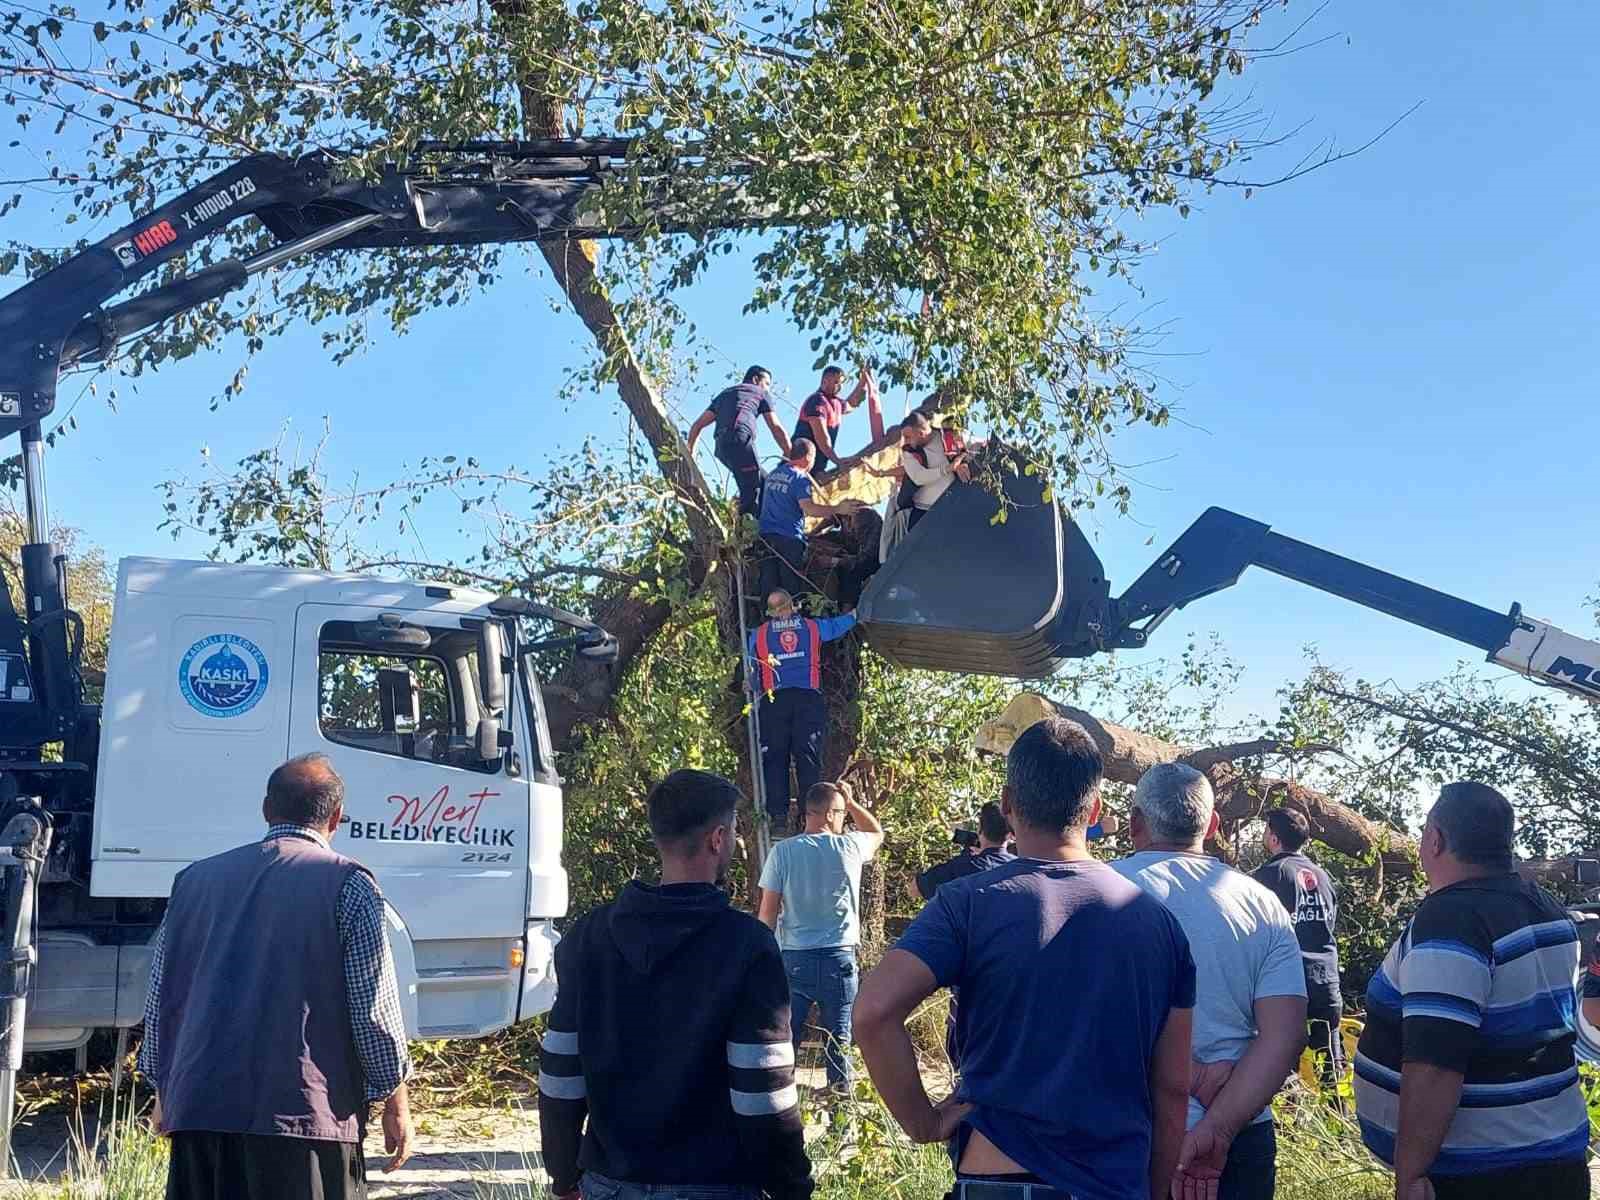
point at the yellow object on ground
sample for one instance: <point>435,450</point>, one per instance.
<point>1349,1034</point>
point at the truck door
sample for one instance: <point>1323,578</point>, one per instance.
<point>394,700</point>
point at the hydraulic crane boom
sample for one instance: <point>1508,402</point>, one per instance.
<point>445,194</point>
<point>1213,552</point>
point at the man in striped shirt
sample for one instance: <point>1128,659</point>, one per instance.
<point>667,1063</point>
<point>1465,1078</point>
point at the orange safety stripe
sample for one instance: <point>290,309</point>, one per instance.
<point>769,680</point>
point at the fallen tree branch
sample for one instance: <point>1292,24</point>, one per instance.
<point>1511,744</point>
<point>1127,754</point>
<point>1204,760</point>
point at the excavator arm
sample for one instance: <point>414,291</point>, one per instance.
<point>1213,552</point>
<point>1019,596</point>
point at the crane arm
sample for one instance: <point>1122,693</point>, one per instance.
<point>443,194</point>
<point>463,194</point>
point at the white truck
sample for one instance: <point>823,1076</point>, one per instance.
<point>218,673</point>
<point>424,695</point>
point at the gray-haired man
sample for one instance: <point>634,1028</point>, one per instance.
<point>273,1019</point>
<point>1250,991</point>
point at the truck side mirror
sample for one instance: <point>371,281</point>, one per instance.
<point>492,689</point>
<point>491,667</point>
<point>489,749</point>
<point>1588,872</point>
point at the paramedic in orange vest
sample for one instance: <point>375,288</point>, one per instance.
<point>786,673</point>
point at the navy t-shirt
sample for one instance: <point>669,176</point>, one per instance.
<point>1305,890</point>
<point>780,502</point>
<point>736,410</point>
<point>1067,972</point>
<point>935,877</point>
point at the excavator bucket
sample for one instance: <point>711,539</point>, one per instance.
<point>964,592</point>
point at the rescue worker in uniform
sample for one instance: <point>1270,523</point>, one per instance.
<point>1304,889</point>
<point>735,411</point>
<point>786,674</point>
<point>786,502</point>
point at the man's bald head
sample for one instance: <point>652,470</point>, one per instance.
<point>306,791</point>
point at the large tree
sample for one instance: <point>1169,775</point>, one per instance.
<point>984,155</point>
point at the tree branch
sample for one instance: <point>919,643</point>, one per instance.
<point>1511,744</point>
<point>1204,760</point>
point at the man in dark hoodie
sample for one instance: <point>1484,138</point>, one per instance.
<point>668,1062</point>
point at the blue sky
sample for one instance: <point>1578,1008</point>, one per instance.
<point>1387,357</point>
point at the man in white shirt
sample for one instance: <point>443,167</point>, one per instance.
<point>932,459</point>
<point>1250,990</point>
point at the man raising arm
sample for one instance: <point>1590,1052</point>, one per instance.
<point>811,894</point>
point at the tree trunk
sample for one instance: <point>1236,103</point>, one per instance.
<point>584,691</point>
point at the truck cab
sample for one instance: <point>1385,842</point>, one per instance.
<point>415,692</point>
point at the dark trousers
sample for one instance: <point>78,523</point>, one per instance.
<point>783,566</point>
<point>1548,1181</point>
<point>1251,1172</point>
<point>738,454</point>
<point>792,720</point>
<point>1327,1047</point>
<point>916,515</point>
<point>594,1186</point>
<point>828,979</point>
<point>248,1166</point>
<point>853,579</point>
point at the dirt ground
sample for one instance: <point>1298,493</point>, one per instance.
<point>463,1153</point>
<point>460,1152</point>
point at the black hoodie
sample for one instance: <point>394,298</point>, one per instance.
<point>670,1034</point>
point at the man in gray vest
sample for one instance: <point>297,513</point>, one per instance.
<point>274,1020</point>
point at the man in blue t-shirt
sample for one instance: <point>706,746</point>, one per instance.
<point>1077,998</point>
<point>785,504</point>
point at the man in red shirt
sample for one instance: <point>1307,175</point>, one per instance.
<point>822,412</point>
